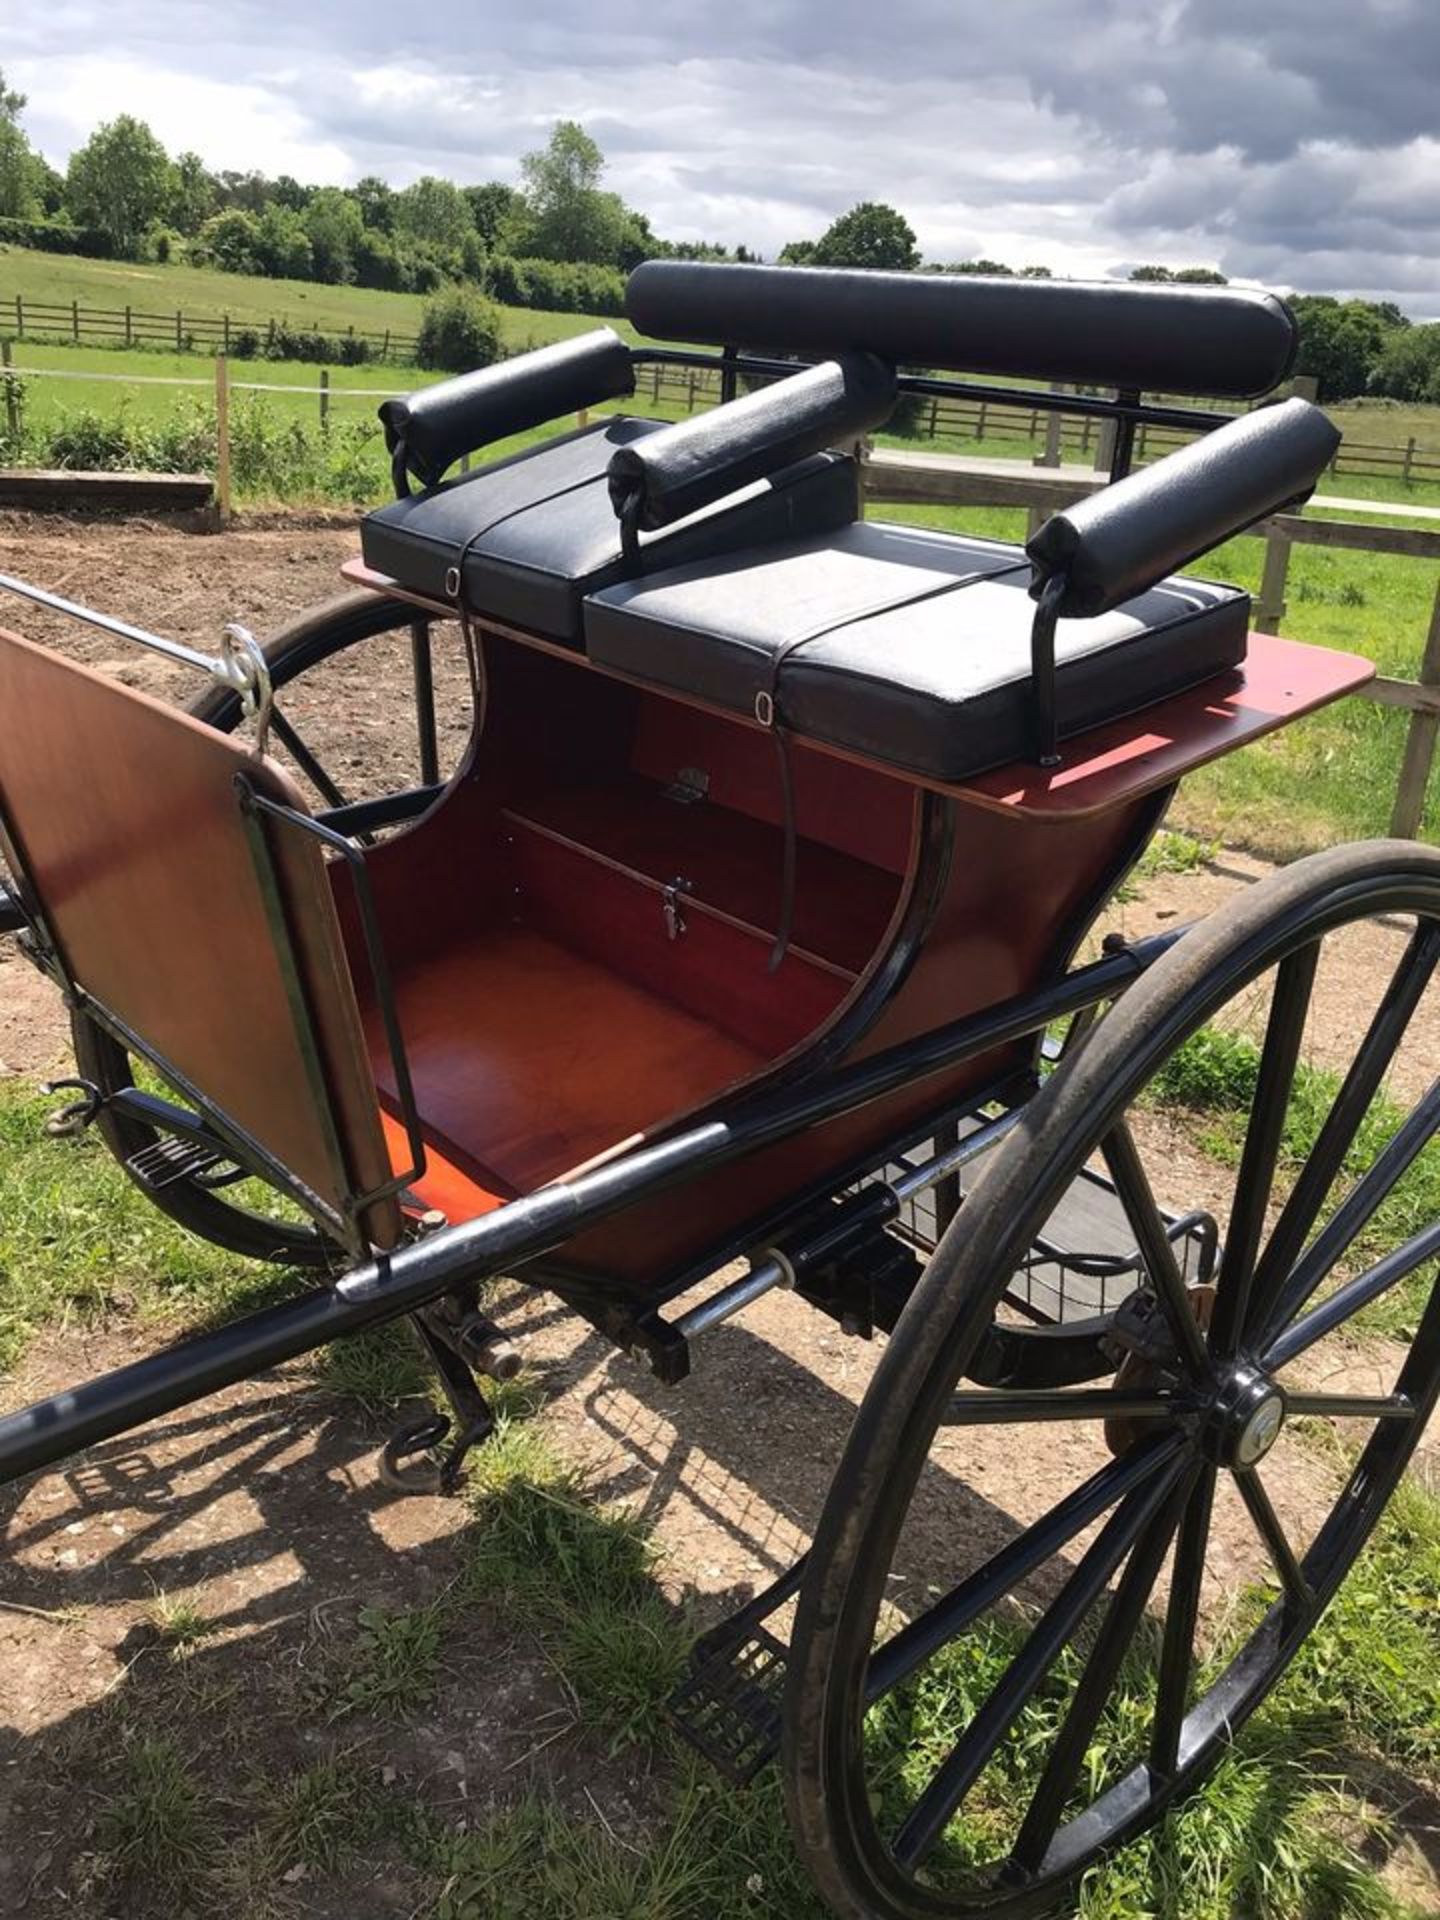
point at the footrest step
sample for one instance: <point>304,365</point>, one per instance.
<point>728,1705</point>
<point>169,1160</point>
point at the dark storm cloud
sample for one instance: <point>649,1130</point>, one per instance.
<point>1294,141</point>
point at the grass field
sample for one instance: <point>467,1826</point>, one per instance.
<point>205,292</point>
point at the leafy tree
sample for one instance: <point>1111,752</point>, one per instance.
<point>870,235</point>
<point>1199,277</point>
<point>1341,342</point>
<point>459,330</point>
<point>1409,364</point>
<point>282,246</point>
<point>996,269</point>
<point>497,211</point>
<point>287,191</point>
<point>248,190</point>
<point>376,201</point>
<point>1036,273</point>
<point>193,199</point>
<point>12,104</point>
<point>24,176</point>
<point>797,253</point>
<point>120,181</point>
<point>1156,274</point>
<point>232,240</point>
<point>435,214</point>
<point>334,228</point>
<point>568,216</point>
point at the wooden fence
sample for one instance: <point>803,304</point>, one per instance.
<point>933,480</point>
<point>1063,438</point>
<point>179,332</point>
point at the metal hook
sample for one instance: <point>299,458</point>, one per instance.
<point>243,667</point>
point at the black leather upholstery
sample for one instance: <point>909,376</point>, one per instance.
<point>697,461</point>
<point>907,646</point>
<point>1129,535</point>
<point>1162,339</point>
<point>433,427</point>
<point>532,534</point>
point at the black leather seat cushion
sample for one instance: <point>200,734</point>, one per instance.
<point>535,532</point>
<point>907,646</point>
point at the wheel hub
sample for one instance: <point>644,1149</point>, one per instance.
<point>1246,1418</point>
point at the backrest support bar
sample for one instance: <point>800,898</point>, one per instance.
<point>1230,342</point>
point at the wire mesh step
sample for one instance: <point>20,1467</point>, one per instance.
<point>169,1160</point>
<point>728,1705</point>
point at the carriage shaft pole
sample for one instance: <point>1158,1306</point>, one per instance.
<point>527,1229</point>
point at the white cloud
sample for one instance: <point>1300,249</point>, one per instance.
<point>1294,142</point>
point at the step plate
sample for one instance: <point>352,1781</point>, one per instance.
<point>728,1706</point>
<point>170,1160</point>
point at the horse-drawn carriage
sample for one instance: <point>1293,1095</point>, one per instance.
<point>749,929</point>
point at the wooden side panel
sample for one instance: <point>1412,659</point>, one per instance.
<point>128,827</point>
<point>1016,889</point>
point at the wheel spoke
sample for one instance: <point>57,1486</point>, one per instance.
<point>1147,1223</point>
<point>424,675</point>
<point>308,764</point>
<point>1277,1543</point>
<point>999,1405</point>
<point>1353,1406</point>
<point>1362,1082</point>
<point>1096,1685</point>
<point>1350,1298</point>
<point>924,1636</point>
<point>1255,1181</point>
<point>933,1811</point>
<point>1355,1211</point>
<point>1172,1688</point>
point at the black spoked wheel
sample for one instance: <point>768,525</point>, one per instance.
<point>372,701</point>
<point>987,1694</point>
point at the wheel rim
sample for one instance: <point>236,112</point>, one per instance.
<point>1231,1396</point>
<point>358,655</point>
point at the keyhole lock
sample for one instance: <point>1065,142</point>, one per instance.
<point>670,896</point>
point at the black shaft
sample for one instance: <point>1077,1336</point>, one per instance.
<point>526,1229</point>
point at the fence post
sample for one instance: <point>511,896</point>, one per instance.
<point>75,320</point>
<point>1051,456</point>
<point>12,393</point>
<point>222,438</point>
<point>129,328</point>
<point>1419,743</point>
<point>19,318</point>
<point>1409,458</point>
<point>385,348</point>
<point>225,332</point>
<point>324,400</point>
<point>1270,609</point>
<point>179,332</point>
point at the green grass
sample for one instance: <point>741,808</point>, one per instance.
<point>181,1822</point>
<point>1213,1078</point>
<point>204,292</point>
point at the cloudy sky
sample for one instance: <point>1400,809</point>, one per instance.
<point>1295,142</point>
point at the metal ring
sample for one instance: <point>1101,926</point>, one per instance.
<point>243,667</point>
<point>765,709</point>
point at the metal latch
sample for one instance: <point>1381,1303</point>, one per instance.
<point>670,905</point>
<point>688,786</point>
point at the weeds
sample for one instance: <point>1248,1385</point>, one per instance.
<point>155,1827</point>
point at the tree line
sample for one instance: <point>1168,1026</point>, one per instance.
<point>560,240</point>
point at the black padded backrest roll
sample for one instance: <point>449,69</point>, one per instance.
<point>687,466</point>
<point>1221,341</point>
<point>433,427</point>
<point>1123,539</point>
